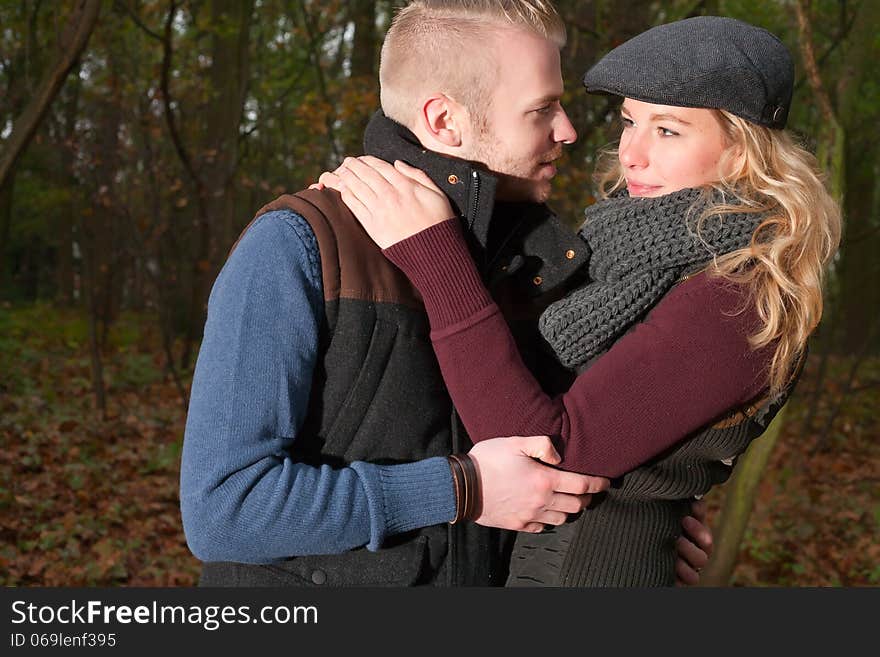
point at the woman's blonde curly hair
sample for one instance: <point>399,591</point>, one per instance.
<point>785,263</point>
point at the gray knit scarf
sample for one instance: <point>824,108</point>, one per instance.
<point>640,248</point>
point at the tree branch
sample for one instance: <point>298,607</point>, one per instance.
<point>119,4</point>
<point>809,57</point>
<point>164,85</point>
<point>73,42</point>
<point>319,73</point>
<point>839,38</point>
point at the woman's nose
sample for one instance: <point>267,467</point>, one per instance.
<point>633,152</point>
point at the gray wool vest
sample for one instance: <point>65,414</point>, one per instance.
<point>377,396</point>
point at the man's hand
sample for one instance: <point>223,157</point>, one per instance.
<point>523,494</point>
<point>694,548</point>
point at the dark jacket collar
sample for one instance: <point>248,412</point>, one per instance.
<point>528,239</point>
<point>471,191</point>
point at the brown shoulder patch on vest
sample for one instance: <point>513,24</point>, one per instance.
<point>352,266</point>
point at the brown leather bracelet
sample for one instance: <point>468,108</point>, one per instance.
<point>474,501</point>
<point>471,487</point>
<point>458,483</point>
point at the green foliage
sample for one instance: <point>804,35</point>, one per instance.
<point>32,339</point>
<point>301,108</point>
<point>37,205</point>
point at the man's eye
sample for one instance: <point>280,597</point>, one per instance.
<point>627,123</point>
<point>544,110</point>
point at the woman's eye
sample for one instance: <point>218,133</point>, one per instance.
<point>666,132</point>
<point>627,123</point>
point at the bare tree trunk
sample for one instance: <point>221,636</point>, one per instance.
<point>831,144</point>
<point>150,254</point>
<point>364,71</point>
<point>859,266</point>
<point>210,189</point>
<point>107,250</point>
<point>88,287</point>
<point>168,347</point>
<point>76,36</point>
<point>847,153</point>
<point>6,190</point>
<point>229,74</point>
<point>739,498</point>
<point>314,47</point>
<point>64,271</point>
<point>186,159</point>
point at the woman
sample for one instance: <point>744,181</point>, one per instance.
<point>707,254</point>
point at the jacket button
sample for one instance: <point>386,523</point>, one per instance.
<point>319,577</point>
<point>453,179</point>
<point>569,254</point>
<point>537,280</point>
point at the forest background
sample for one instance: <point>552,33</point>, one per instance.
<point>138,137</point>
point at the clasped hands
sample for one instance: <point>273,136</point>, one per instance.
<point>521,491</point>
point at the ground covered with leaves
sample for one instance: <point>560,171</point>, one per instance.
<point>86,501</point>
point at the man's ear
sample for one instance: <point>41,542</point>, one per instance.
<point>443,121</point>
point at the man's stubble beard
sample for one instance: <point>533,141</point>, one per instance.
<point>514,179</point>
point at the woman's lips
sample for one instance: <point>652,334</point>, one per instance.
<point>640,189</point>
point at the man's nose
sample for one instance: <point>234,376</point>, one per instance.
<point>563,130</point>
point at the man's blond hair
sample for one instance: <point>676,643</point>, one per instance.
<point>447,46</point>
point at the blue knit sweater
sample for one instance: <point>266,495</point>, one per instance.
<point>242,497</point>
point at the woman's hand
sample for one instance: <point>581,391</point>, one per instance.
<point>694,547</point>
<point>391,202</point>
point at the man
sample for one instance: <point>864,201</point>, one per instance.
<point>319,432</point>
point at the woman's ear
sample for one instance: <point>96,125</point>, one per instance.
<point>733,162</point>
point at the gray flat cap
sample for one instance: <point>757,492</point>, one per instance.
<point>706,61</point>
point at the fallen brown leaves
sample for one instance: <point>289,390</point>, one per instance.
<point>86,502</point>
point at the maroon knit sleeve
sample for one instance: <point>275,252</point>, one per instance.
<point>686,364</point>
